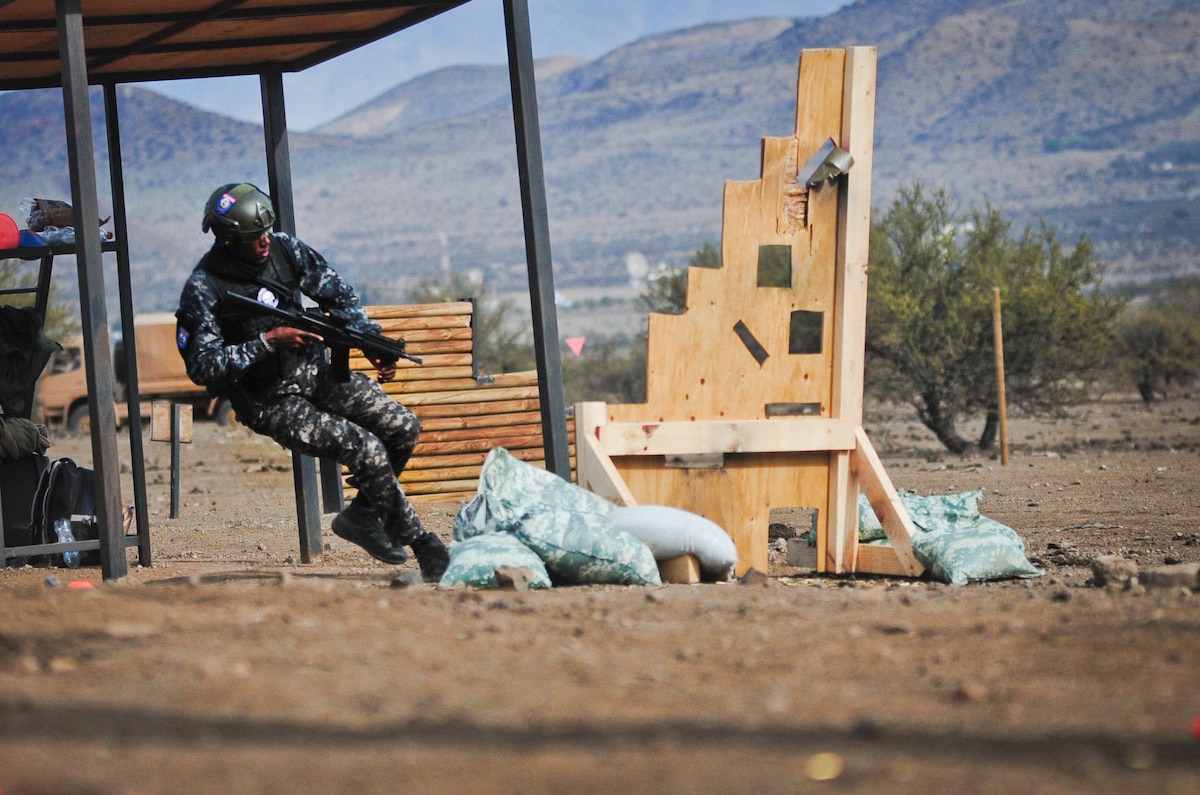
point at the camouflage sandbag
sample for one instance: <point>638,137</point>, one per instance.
<point>958,545</point>
<point>524,489</point>
<point>869,528</point>
<point>563,523</point>
<point>942,510</point>
<point>485,513</point>
<point>473,562</point>
<point>581,548</point>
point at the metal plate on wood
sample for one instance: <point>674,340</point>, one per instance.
<point>792,409</point>
<point>751,342</point>
<point>696,461</point>
<point>160,422</point>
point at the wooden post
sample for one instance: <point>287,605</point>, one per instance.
<point>683,570</point>
<point>1000,376</point>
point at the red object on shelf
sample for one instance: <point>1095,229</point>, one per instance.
<point>10,235</point>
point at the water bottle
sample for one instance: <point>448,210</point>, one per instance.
<point>62,528</point>
<point>59,235</point>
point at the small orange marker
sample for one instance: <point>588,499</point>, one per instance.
<point>80,585</point>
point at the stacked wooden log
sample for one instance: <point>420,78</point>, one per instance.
<point>463,414</point>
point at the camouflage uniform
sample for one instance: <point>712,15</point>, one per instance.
<point>291,395</point>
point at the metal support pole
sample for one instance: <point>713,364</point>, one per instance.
<point>279,181</point>
<point>332,496</point>
<point>45,271</point>
<point>96,344</point>
<point>537,238</point>
<point>176,430</point>
<point>125,289</point>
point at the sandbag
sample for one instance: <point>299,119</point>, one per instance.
<point>582,549</point>
<point>473,562</point>
<point>869,528</point>
<point>560,521</point>
<point>942,510</point>
<point>671,532</point>
<point>957,544</point>
<point>485,513</point>
<point>525,489</point>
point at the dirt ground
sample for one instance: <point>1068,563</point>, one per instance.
<point>227,667</point>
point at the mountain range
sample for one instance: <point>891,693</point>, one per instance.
<point>1084,114</point>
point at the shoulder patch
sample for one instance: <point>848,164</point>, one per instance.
<point>182,336</point>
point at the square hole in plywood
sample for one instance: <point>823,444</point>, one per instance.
<point>805,331</point>
<point>775,266</point>
<point>792,535</point>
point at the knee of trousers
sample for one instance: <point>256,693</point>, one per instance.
<point>369,457</point>
<point>401,441</point>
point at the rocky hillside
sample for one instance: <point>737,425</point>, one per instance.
<point>1084,113</point>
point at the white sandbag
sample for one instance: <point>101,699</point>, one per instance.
<point>671,532</point>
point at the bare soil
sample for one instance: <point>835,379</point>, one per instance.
<point>227,667</point>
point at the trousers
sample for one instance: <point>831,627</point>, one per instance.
<point>358,425</point>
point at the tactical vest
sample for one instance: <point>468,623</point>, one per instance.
<point>239,325</point>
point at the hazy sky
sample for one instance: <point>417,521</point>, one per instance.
<point>473,33</point>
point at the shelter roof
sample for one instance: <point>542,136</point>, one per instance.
<point>136,40</point>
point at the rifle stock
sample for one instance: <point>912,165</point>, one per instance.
<point>337,337</point>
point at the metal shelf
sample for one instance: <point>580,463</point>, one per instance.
<point>46,255</point>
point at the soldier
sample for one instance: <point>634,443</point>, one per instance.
<point>278,379</point>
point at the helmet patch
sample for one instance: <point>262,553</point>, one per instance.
<point>225,203</point>
<point>182,337</point>
<point>265,296</point>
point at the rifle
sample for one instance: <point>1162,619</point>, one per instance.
<point>337,337</point>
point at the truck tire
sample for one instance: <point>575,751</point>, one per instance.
<point>79,419</point>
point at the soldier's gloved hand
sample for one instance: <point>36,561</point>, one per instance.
<point>386,370</point>
<point>288,337</point>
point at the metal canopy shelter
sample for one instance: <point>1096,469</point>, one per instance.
<point>71,43</point>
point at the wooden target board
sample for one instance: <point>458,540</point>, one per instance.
<point>754,394</point>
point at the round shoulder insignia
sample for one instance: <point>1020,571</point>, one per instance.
<point>182,337</point>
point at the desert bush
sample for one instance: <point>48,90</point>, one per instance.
<point>930,314</point>
<point>1158,342</point>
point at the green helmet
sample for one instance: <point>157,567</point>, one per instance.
<point>238,209</point>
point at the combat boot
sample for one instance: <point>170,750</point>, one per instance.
<point>432,556</point>
<point>358,524</point>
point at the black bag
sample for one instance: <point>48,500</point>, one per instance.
<point>65,489</point>
<point>19,480</point>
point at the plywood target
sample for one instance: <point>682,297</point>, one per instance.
<point>754,393</point>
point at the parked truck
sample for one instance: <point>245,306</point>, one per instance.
<point>62,390</point>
